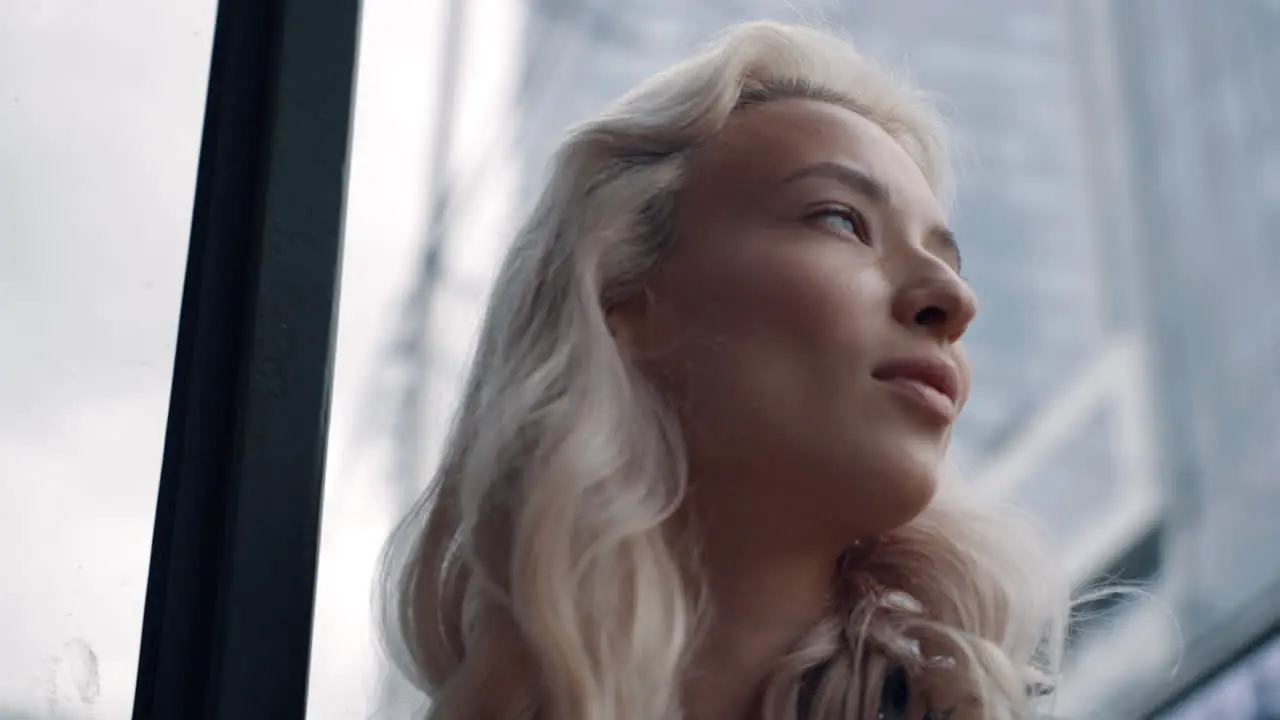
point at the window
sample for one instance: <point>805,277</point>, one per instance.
<point>229,604</point>
<point>1162,399</point>
<point>99,137</point>
<point>1248,689</point>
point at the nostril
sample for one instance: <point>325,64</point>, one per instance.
<point>931,316</point>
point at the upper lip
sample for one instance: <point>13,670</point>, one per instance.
<point>934,372</point>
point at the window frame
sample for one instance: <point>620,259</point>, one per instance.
<point>1213,653</point>
<point>227,625</point>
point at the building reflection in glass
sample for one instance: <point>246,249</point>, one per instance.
<point>1248,690</point>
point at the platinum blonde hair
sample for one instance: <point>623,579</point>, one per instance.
<point>534,577</point>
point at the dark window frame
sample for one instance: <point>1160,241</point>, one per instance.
<point>1211,654</point>
<point>227,627</point>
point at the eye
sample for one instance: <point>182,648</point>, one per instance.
<point>843,220</point>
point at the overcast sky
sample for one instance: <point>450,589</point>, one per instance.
<point>100,114</point>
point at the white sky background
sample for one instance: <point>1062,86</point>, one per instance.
<point>100,111</point>
<point>100,114</point>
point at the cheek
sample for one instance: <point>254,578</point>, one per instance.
<point>769,337</point>
<point>776,295</point>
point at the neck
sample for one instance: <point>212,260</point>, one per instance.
<point>762,602</point>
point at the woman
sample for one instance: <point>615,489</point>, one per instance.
<point>696,472</point>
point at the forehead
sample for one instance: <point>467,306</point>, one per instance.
<point>763,144</point>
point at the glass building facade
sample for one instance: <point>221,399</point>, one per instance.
<point>1200,104</point>
<point>1204,103</point>
<point>1119,174</point>
<point>1054,420</point>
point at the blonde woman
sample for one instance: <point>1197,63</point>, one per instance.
<point>698,469</point>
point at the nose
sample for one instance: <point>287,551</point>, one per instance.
<point>935,300</point>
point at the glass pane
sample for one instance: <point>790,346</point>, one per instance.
<point>388,185</point>
<point>100,124</point>
<point>1110,397</point>
<point>1219,319</point>
<point>1077,485</point>
<point>1249,689</point>
<point>1005,69</point>
<point>1204,151</point>
<point>1024,206</point>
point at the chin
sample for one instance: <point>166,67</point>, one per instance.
<point>900,510</point>
<point>897,495</point>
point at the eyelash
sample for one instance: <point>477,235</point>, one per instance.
<point>854,217</point>
<point>860,227</point>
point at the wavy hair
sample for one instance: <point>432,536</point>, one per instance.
<point>534,578</point>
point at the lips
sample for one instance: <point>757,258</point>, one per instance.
<point>931,377</point>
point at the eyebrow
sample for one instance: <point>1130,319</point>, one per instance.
<point>875,191</point>
<point>851,177</point>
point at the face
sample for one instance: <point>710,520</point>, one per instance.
<point>807,326</point>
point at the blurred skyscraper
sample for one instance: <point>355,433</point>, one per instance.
<point>1198,99</point>
<point>1119,187</point>
<point>1056,420</point>
<point>1203,98</point>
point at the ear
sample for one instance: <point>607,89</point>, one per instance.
<point>624,326</point>
<point>629,324</point>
